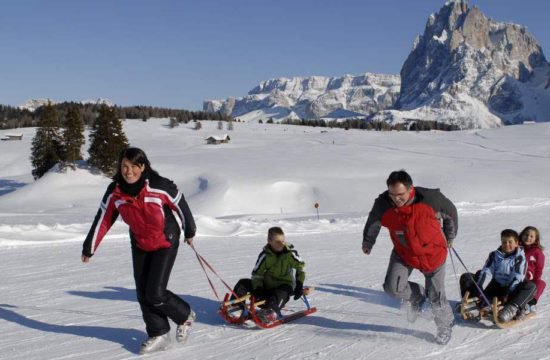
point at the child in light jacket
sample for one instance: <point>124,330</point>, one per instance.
<point>507,266</point>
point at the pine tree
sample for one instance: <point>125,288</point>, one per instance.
<point>73,137</point>
<point>47,142</point>
<point>107,141</point>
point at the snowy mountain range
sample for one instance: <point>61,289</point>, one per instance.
<point>313,97</point>
<point>33,104</point>
<point>465,69</point>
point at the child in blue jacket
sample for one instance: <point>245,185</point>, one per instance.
<point>506,265</point>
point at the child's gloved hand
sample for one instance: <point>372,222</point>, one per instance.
<point>298,290</point>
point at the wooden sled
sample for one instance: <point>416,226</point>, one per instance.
<point>243,311</point>
<point>472,309</point>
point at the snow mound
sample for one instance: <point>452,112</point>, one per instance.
<point>216,196</point>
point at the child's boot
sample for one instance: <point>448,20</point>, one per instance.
<point>508,312</point>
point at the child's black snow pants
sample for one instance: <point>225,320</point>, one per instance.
<point>151,273</point>
<point>521,295</point>
<point>275,298</point>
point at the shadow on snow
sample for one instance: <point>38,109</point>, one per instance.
<point>8,186</point>
<point>381,298</point>
<point>326,323</point>
<point>130,339</point>
<point>206,309</point>
<point>363,294</point>
<point>367,295</point>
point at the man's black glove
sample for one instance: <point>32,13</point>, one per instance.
<point>298,290</point>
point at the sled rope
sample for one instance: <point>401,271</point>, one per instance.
<point>203,262</point>
<point>481,293</point>
<point>454,269</point>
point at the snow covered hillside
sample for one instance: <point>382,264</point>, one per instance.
<point>54,307</point>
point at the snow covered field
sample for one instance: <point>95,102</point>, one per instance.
<point>54,307</point>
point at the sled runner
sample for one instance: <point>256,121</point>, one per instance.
<point>245,311</point>
<point>472,309</point>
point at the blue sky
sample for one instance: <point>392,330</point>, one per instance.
<point>178,53</point>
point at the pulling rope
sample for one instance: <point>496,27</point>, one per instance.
<point>454,269</point>
<point>475,282</point>
<point>203,262</point>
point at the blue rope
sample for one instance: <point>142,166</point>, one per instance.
<point>481,293</point>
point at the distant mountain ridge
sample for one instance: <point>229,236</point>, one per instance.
<point>465,69</point>
<point>314,97</point>
<point>33,104</point>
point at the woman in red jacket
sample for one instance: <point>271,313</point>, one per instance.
<point>147,202</point>
<point>530,239</point>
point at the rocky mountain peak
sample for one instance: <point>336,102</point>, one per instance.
<point>464,54</point>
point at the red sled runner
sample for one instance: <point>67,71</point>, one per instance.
<point>245,309</point>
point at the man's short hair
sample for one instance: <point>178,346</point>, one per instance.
<point>274,231</point>
<point>399,176</point>
<point>506,233</point>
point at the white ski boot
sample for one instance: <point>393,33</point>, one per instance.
<point>155,343</point>
<point>182,331</point>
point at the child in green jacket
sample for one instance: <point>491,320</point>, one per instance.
<point>273,278</point>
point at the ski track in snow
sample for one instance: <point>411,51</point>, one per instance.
<point>499,150</point>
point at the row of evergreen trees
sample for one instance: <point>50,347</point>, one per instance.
<point>56,144</point>
<point>13,117</point>
<point>364,124</point>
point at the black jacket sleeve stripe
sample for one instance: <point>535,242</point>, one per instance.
<point>261,258</point>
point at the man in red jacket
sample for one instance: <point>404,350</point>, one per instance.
<point>422,223</point>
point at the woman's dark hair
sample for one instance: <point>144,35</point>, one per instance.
<point>399,176</point>
<point>135,156</point>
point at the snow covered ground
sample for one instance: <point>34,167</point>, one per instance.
<point>54,307</point>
